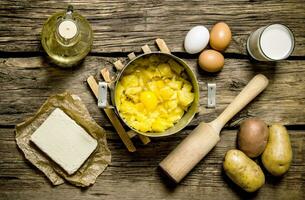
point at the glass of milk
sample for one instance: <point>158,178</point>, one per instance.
<point>271,43</point>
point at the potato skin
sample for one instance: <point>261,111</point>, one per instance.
<point>277,156</point>
<point>243,171</point>
<point>252,137</point>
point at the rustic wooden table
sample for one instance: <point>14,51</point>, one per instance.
<point>27,80</point>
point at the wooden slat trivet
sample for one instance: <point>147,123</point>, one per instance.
<point>131,56</point>
<point>146,49</point>
<point>125,136</point>
<point>119,65</point>
<point>106,75</point>
<point>113,118</point>
<point>162,46</point>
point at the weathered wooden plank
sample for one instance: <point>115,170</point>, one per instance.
<point>124,26</point>
<point>27,82</point>
<point>136,176</point>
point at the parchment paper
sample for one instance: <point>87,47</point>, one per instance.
<point>72,106</point>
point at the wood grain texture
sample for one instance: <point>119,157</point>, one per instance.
<point>124,26</point>
<point>27,82</point>
<point>136,176</point>
<point>27,79</point>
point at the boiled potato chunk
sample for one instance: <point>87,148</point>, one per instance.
<point>165,70</point>
<point>176,114</point>
<point>130,81</point>
<point>176,85</point>
<point>139,125</point>
<point>171,104</point>
<point>175,66</point>
<point>147,74</point>
<point>151,98</point>
<point>161,124</point>
<point>185,98</point>
<point>140,106</point>
<point>119,92</point>
<point>155,86</point>
<point>128,107</point>
<point>132,93</point>
<point>187,87</point>
<point>142,82</point>
<point>154,72</point>
<point>133,90</point>
<point>163,112</point>
<point>166,93</point>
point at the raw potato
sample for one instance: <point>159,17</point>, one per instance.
<point>243,171</point>
<point>277,156</point>
<point>252,137</point>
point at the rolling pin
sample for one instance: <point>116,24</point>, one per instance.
<point>206,135</point>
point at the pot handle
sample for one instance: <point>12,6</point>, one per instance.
<point>102,101</point>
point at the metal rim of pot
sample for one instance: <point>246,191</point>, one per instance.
<point>188,115</point>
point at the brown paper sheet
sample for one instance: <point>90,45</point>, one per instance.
<point>72,106</point>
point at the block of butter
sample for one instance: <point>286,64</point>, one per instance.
<point>64,141</point>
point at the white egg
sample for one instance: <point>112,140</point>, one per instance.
<point>196,39</point>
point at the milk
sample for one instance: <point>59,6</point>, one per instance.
<point>270,43</point>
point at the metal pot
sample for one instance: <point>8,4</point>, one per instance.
<point>161,58</point>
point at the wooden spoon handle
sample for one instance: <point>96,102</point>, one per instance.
<point>252,89</point>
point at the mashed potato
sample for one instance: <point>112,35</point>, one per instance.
<point>152,98</point>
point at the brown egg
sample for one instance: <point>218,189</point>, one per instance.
<point>211,61</point>
<point>220,36</point>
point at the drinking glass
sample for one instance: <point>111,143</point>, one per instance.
<point>271,43</point>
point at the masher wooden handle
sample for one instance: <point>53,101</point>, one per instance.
<point>205,136</point>
<point>256,85</point>
<point>189,152</point>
